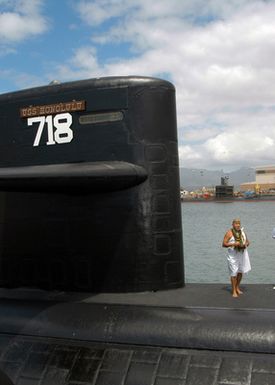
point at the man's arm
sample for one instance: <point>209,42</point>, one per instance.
<point>226,239</point>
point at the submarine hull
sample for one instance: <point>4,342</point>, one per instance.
<point>157,338</point>
<point>92,288</point>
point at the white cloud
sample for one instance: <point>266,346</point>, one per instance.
<point>96,12</point>
<point>187,152</point>
<point>21,19</point>
<point>237,147</point>
<point>249,140</point>
<point>199,134</point>
<point>218,54</point>
<point>22,79</point>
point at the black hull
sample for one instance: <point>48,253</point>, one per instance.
<point>195,335</point>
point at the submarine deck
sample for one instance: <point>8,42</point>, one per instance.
<point>198,295</point>
<point>198,334</point>
<point>255,296</point>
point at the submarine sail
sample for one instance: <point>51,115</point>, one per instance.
<point>89,179</point>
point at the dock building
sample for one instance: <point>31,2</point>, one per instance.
<point>265,180</point>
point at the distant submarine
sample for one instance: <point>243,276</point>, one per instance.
<point>91,254</point>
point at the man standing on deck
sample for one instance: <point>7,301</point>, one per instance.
<point>236,242</point>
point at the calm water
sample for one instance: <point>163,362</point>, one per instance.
<point>204,226</point>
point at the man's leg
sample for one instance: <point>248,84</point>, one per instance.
<point>234,286</point>
<point>239,278</point>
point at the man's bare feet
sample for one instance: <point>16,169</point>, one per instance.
<point>235,295</point>
<point>239,291</point>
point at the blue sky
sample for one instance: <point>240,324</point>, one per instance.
<point>218,53</point>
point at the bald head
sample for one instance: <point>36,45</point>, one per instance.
<point>236,224</point>
<point>236,220</point>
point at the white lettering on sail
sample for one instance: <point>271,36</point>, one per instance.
<point>58,128</point>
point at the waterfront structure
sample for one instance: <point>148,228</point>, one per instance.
<point>265,180</point>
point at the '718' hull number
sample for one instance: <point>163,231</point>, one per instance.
<point>58,128</point>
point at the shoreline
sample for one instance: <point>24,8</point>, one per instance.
<point>227,200</point>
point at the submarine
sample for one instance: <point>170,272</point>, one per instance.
<point>92,283</point>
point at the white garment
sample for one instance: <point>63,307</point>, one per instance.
<point>273,233</point>
<point>238,261</point>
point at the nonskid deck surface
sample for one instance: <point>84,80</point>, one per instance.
<point>198,295</point>
<point>195,335</point>
<point>255,296</point>
<point>33,361</point>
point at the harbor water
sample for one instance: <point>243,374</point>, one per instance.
<point>204,226</point>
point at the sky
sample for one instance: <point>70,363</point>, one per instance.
<point>219,54</point>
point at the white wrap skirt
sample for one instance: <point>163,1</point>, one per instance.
<point>238,261</point>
